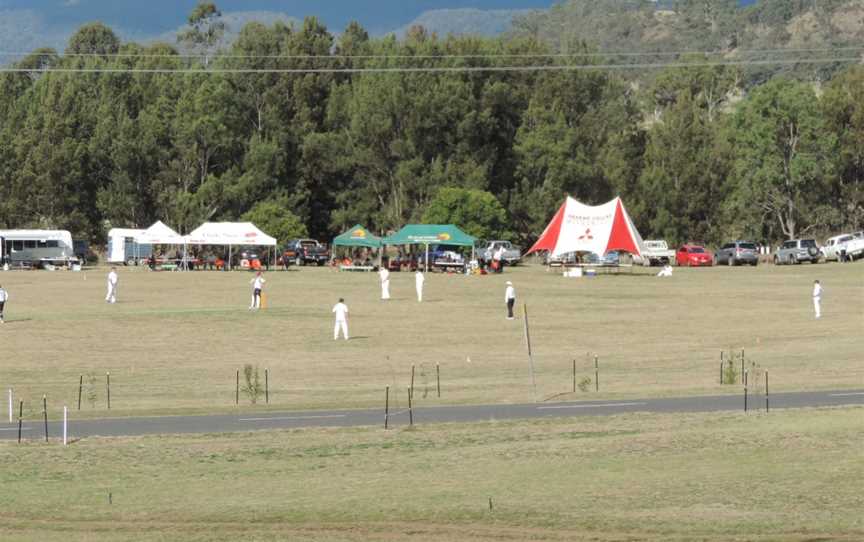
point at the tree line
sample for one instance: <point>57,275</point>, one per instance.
<point>122,138</point>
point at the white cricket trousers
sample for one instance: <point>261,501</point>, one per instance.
<point>419,292</point>
<point>385,289</point>
<point>111,296</point>
<point>817,306</point>
<point>343,325</point>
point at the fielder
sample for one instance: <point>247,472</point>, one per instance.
<point>257,286</point>
<point>4,297</point>
<point>419,279</point>
<point>341,312</point>
<point>384,275</point>
<point>111,296</point>
<point>817,298</point>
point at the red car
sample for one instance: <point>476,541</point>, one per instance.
<point>693,256</point>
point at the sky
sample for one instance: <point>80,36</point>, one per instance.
<point>158,16</point>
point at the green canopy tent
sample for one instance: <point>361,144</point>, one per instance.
<point>358,236</point>
<point>431,234</point>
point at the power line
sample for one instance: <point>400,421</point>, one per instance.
<point>438,69</point>
<point>216,56</point>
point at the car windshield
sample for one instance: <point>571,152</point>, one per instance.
<point>807,243</point>
<point>697,250</point>
<point>747,246</point>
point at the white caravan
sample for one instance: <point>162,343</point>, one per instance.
<point>37,248</point>
<point>123,247</point>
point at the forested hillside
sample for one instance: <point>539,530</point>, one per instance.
<point>112,134</point>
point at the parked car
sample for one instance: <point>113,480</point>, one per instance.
<point>610,259</point>
<point>305,251</point>
<point>797,251</point>
<point>854,247</point>
<point>833,245</point>
<point>737,252</point>
<point>693,256</point>
<point>656,252</point>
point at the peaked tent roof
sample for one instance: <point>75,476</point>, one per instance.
<point>358,236</point>
<point>160,234</point>
<point>430,234</point>
<point>577,227</point>
<point>229,233</point>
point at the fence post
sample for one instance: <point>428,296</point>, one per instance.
<point>267,386</point>
<point>410,409</point>
<point>20,419</point>
<point>237,390</point>
<point>45,414</point>
<point>80,388</point>
<point>108,386</point>
<point>386,406</point>
<point>596,375</point>
<point>438,377</point>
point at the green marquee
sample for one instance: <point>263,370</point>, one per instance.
<point>358,236</point>
<point>430,234</point>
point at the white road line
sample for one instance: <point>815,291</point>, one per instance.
<point>846,394</point>
<point>15,429</point>
<point>590,406</point>
<point>293,418</point>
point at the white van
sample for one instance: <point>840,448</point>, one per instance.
<point>37,248</point>
<point>123,247</point>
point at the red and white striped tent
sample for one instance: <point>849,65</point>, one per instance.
<point>577,227</point>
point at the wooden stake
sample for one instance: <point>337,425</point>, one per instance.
<point>386,406</point>
<point>45,414</point>
<point>530,355</point>
<point>438,377</point>
<point>80,388</point>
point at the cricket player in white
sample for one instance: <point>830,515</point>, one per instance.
<point>817,298</point>
<point>111,296</point>
<point>510,299</point>
<point>384,275</point>
<point>666,271</point>
<point>257,286</point>
<point>341,311</point>
<point>4,297</point>
<point>419,279</point>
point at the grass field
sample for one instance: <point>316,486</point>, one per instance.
<point>785,476</point>
<point>174,340</point>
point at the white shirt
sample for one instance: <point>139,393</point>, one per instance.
<point>384,274</point>
<point>341,311</point>
<point>112,278</point>
<point>258,283</point>
<point>4,296</point>
<point>499,253</point>
<point>817,290</point>
<point>509,293</point>
<point>419,278</point>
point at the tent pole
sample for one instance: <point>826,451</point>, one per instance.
<point>229,258</point>
<point>427,257</point>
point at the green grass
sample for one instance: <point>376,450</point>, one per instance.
<point>787,475</point>
<point>174,341</point>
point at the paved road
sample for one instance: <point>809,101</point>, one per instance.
<point>34,429</point>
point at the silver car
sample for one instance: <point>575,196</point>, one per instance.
<point>737,253</point>
<point>797,251</point>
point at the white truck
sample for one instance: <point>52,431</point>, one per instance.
<point>853,247</point>
<point>657,252</point>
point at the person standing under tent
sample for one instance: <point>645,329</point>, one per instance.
<point>341,312</point>
<point>510,299</point>
<point>4,297</point>
<point>257,286</point>
<point>384,275</point>
<point>419,279</point>
<point>113,279</point>
<point>817,298</point>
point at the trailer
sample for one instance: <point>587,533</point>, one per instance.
<point>37,248</point>
<point>124,248</point>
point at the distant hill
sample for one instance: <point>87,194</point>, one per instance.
<point>723,27</point>
<point>466,21</point>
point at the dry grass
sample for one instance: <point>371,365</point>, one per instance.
<point>174,341</point>
<point>790,475</point>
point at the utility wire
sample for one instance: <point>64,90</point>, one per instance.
<point>437,69</point>
<point>215,56</point>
